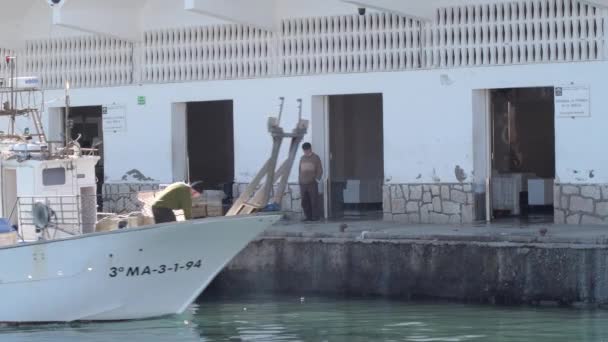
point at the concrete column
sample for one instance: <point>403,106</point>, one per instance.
<point>605,17</point>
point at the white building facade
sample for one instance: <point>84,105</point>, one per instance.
<point>443,112</point>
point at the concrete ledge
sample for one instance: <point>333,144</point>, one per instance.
<point>482,268</point>
<point>541,232</point>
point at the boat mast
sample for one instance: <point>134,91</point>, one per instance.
<point>10,61</point>
<point>17,106</point>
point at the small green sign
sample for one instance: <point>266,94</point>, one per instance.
<point>141,100</point>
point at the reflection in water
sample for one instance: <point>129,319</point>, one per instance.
<point>323,319</point>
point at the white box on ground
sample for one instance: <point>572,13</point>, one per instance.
<point>362,191</point>
<point>505,192</point>
<point>352,191</point>
<point>506,189</point>
<point>540,191</point>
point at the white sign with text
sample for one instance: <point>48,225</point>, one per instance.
<point>114,118</point>
<point>572,101</point>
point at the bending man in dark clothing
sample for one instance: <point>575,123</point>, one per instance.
<point>175,197</point>
<point>311,172</point>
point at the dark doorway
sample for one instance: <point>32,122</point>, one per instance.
<point>356,153</point>
<point>87,124</point>
<point>523,152</point>
<point>210,133</point>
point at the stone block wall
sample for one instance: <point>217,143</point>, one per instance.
<point>575,204</point>
<point>291,204</point>
<point>409,203</point>
<point>579,204</point>
<point>122,197</point>
<point>429,203</point>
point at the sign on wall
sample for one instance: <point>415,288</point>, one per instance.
<point>572,101</point>
<point>114,118</point>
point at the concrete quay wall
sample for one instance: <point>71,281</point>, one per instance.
<point>472,271</point>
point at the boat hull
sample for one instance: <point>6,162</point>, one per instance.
<point>120,275</point>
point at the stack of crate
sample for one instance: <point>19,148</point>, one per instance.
<point>8,239</point>
<point>209,204</point>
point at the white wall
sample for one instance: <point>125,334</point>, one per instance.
<point>161,13</point>
<point>23,20</point>
<point>427,120</point>
<point>37,24</point>
<point>311,8</point>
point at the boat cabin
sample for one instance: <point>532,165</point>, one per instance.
<point>67,186</point>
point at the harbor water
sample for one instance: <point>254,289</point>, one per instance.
<point>292,318</point>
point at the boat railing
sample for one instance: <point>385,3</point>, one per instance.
<point>68,214</point>
<point>71,215</point>
<point>75,214</point>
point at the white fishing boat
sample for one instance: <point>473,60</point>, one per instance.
<point>124,274</point>
<point>57,268</point>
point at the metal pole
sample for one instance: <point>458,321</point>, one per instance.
<point>188,168</point>
<point>11,64</point>
<point>67,133</point>
<point>327,160</point>
<point>489,121</point>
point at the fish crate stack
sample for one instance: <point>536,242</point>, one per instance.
<point>8,238</point>
<point>209,204</point>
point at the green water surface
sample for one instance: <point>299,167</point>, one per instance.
<point>291,318</point>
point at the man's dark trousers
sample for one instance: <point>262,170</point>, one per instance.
<point>310,201</point>
<point>163,215</point>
